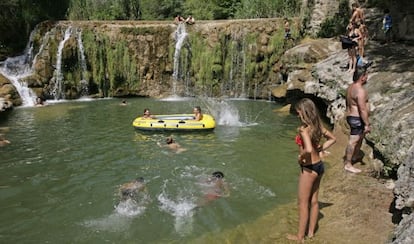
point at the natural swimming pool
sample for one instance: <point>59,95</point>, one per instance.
<point>61,172</point>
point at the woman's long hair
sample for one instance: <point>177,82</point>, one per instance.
<point>310,117</point>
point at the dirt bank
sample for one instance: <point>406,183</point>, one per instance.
<point>355,208</point>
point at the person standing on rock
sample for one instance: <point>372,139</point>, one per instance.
<point>312,168</point>
<point>357,109</point>
<point>357,16</point>
<point>387,25</point>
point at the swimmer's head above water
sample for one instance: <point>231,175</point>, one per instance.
<point>169,140</point>
<point>218,175</point>
<point>139,179</point>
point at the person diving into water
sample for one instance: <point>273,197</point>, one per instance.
<point>131,189</point>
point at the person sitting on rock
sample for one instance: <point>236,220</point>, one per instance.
<point>190,20</point>
<point>179,19</point>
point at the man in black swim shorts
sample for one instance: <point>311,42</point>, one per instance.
<point>357,111</point>
<point>356,124</point>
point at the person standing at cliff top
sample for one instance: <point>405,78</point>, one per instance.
<point>357,16</point>
<point>357,109</point>
<point>387,25</point>
<point>288,35</point>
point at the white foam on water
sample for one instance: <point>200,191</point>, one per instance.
<point>114,222</point>
<point>175,98</point>
<point>179,201</point>
<point>182,209</point>
<point>130,208</point>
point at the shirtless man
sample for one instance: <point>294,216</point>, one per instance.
<point>173,145</point>
<point>214,188</point>
<point>357,118</point>
<point>357,14</point>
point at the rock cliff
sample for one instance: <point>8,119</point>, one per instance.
<point>317,71</point>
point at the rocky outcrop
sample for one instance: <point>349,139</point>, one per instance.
<point>317,71</point>
<point>319,11</point>
<point>8,94</point>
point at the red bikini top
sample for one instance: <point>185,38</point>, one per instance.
<point>298,140</point>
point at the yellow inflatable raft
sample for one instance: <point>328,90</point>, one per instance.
<point>178,122</point>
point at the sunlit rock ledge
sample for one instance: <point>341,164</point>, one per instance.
<point>391,92</point>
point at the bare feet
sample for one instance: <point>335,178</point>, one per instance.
<point>352,169</point>
<point>295,238</point>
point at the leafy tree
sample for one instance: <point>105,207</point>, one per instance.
<point>18,18</point>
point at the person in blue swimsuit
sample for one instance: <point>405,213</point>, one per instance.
<point>309,141</point>
<point>387,25</point>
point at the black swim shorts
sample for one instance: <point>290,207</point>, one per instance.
<point>356,124</point>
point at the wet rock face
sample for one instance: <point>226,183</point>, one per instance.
<point>217,58</point>
<point>8,94</point>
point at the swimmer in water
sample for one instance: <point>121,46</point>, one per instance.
<point>216,188</point>
<point>173,145</point>
<point>131,189</point>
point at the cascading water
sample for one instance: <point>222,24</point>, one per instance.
<point>82,58</point>
<point>57,91</point>
<point>235,85</point>
<point>180,37</point>
<point>42,46</point>
<point>16,68</point>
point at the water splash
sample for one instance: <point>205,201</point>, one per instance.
<point>226,113</point>
<point>130,208</point>
<point>57,91</point>
<point>181,207</point>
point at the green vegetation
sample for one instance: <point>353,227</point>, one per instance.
<point>18,17</point>
<point>168,9</point>
<point>111,65</point>
<point>337,24</point>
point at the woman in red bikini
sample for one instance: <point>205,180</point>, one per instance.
<point>309,138</point>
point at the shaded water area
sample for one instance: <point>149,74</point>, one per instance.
<point>60,174</point>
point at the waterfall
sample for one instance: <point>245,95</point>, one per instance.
<point>57,91</point>
<point>243,71</point>
<point>180,36</point>
<point>83,82</point>
<point>16,68</point>
<point>42,46</point>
